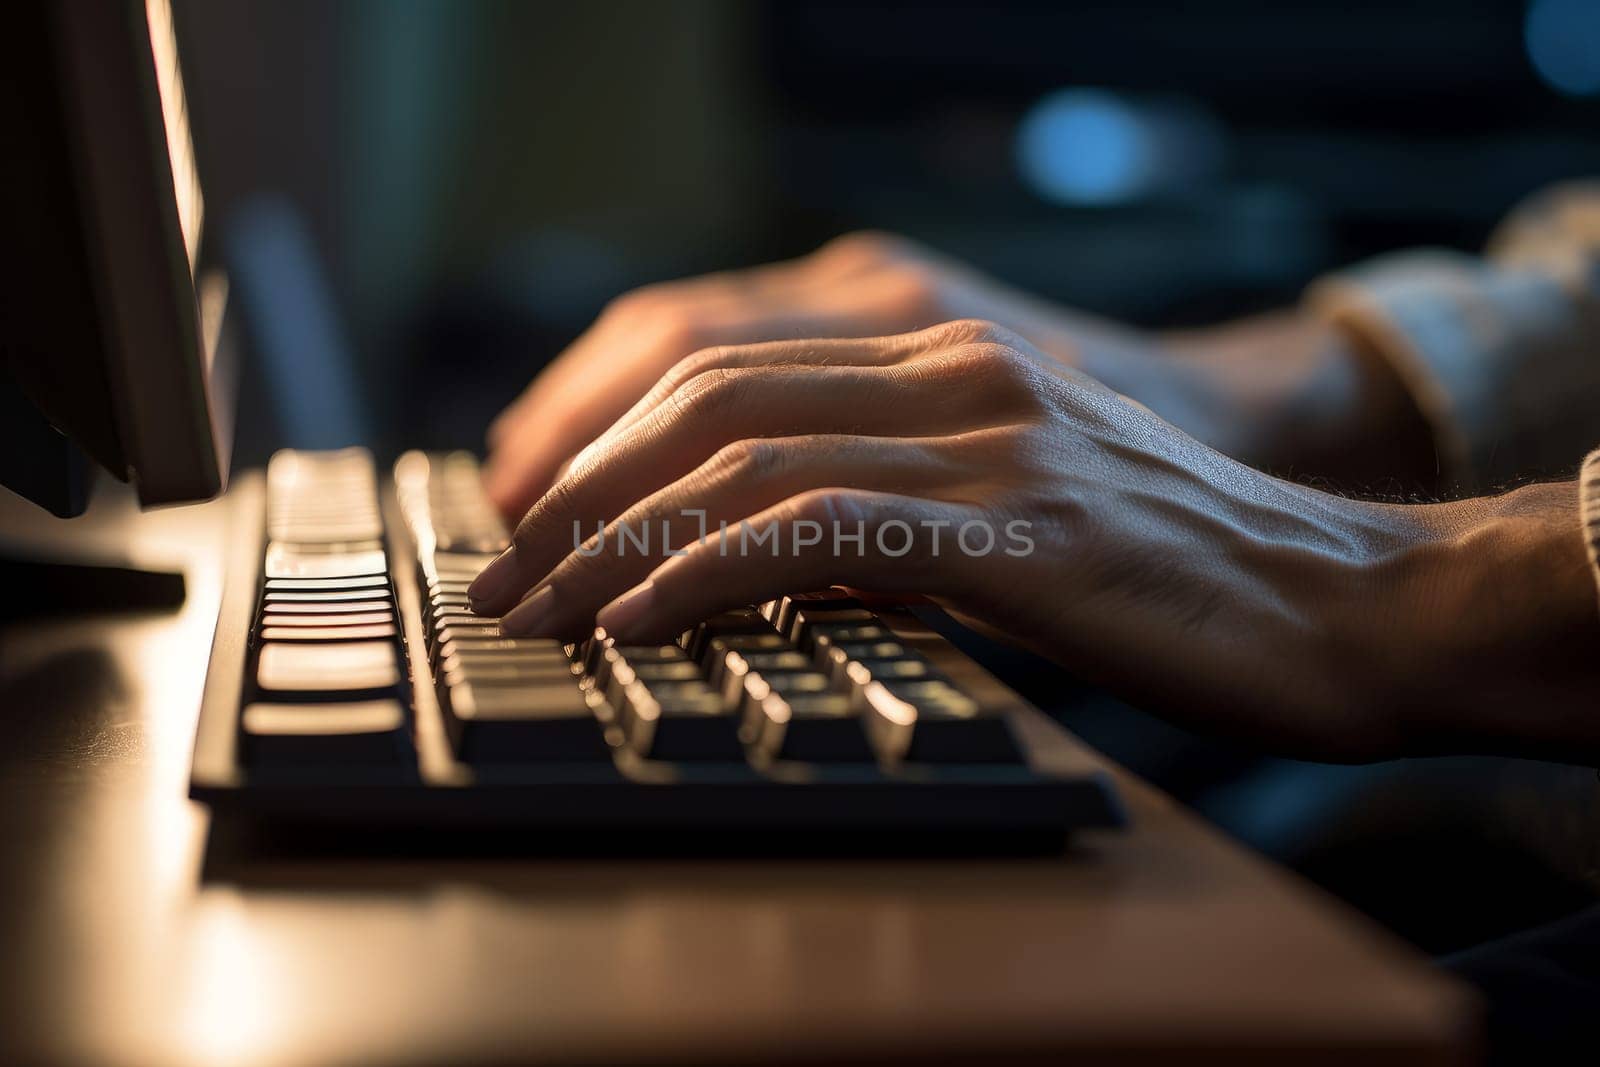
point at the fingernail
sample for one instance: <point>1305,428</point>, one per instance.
<point>526,618</point>
<point>493,578</point>
<point>619,616</point>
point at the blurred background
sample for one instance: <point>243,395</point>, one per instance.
<point>440,195</point>
<point>480,177</point>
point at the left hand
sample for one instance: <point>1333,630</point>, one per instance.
<point>1147,560</point>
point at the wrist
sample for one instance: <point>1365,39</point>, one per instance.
<point>1491,630</point>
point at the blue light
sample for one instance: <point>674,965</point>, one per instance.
<point>1084,146</point>
<point>1563,38</point>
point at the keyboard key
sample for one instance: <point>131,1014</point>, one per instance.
<point>480,628</point>
<point>338,668</point>
<point>328,633</point>
<point>863,672</point>
<point>534,722</point>
<point>349,618</point>
<point>727,675</point>
<point>825,600</point>
<point>933,722</point>
<point>826,643</point>
<point>811,728</point>
<point>738,621</point>
<point>681,722</point>
<point>492,671</point>
<point>839,632</point>
<point>340,596</point>
<point>355,732</point>
<point>311,609</point>
<point>284,561</point>
<point>720,649</point>
<point>308,585</point>
<point>808,622</point>
<point>611,656</point>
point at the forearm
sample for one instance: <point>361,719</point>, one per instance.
<point>1332,628</point>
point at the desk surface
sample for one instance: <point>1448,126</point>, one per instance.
<point>116,947</point>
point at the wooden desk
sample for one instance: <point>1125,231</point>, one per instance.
<point>1156,944</point>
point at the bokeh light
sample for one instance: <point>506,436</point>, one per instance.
<point>1084,146</point>
<point>1563,39</point>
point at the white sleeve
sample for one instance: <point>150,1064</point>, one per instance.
<point>1500,353</point>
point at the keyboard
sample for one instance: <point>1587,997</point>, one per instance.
<point>351,685</point>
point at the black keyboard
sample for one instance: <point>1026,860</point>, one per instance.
<point>351,684</point>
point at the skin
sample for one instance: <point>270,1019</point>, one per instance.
<point>1278,392</point>
<point>1191,582</point>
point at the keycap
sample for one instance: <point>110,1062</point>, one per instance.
<point>808,622</point>
<point>719,649</point>
<point>338,597</point>
<point>284,561</point>
<point>864,671</point>
<point>684,722</point>
<point>349,618</point>
<point>344,667</point>
<point>756,688</point>
<point>311,609</point>
<point>738,621</point>
<point>727,674</point>
<point>352,732</point>
<point>535,722</point>
<point>328,633</point>
<point>841,632</point>
<point>811,728</point>
<point>522,645</point>
<point>932,722</point>
<point>611,655</point>
<point>825,642</point>
<point>457,669</point>
<point>466,630</point>
<point>307,585</point>
<point>824,600</point>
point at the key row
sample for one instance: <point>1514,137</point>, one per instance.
<point>323,499</point>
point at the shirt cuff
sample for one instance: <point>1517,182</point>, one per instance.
<point>1589,510</point>
<point>1404,307</point>
<point>1498,358</point>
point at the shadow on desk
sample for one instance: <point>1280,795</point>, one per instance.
<point>60,711</point>
<point>288,858</point>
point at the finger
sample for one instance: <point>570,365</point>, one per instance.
<point>616,363</point>
<point>894,555</point>
<point>742,479</point>
<point>718,408</point>
<point>854,352</point>
<point>729,296</point>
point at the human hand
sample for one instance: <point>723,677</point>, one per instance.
<point>1077,522</point>
<point>860,285</point>
<point>1278,392</point>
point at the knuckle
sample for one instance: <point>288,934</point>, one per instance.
<point>660,312</point>
<point>751,459</point>
<point>1014,373</point>
<point>974,331</point>
<point>914,295</point>
<point>556,503</point>
<point>693,365</point>
<point>706,392</point>
<point>864,247</point>
<point>635,304</point>
<point>831,508</point>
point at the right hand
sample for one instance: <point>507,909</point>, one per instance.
<point>860,285</point>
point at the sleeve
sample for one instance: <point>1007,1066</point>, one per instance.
<point>1501,353</point>
<point>1589,510</point>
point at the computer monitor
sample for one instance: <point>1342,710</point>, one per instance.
<point>111,342</point>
